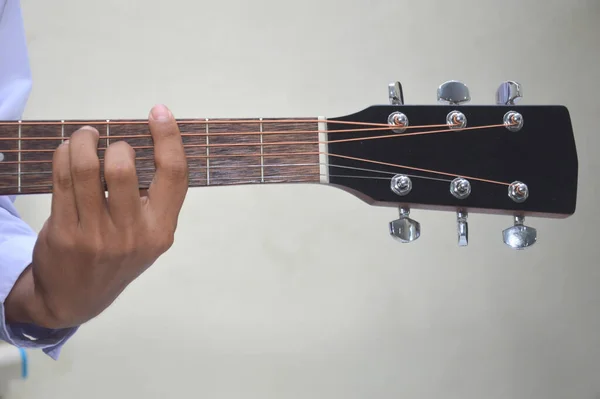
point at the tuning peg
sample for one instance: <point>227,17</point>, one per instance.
<point>519,236</point>
<point>395,93</point>
<point>405,229</point>
<point>453,92</point>
<point>463,228</point>
<point>509,93</point>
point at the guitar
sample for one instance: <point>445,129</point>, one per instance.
<point>504,158</point>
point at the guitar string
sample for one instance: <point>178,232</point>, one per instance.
<point>326,154</point>
<point>219,134</point>
<point>381,126</point>
<point>389,136</point>
<point>201,168</point>
<point>188,122</point>
<point>284,179</point>
<point>359,159</point>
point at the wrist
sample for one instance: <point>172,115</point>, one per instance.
<point>24,305</point>
<point>20,301</point>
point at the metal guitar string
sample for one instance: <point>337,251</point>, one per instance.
<point>195,168</point>
<point>374,127</point>
<point>283,179</point>
<point>387,127</point>
<point>227,145</point>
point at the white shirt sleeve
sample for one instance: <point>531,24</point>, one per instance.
<point>17,239</point>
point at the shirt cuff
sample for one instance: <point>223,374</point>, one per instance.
<point>16,254</point>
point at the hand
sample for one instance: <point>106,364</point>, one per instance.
<point>94,245</point>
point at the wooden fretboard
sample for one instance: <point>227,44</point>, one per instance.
<point>220,151</point>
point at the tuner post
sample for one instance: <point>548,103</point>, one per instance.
<point>456,120</point>
<point>399,121</point>
<point>518,192</point>
<point>401,185</point>
<point>460,188</point>
<point>405,229</point>
<point>513,121</point>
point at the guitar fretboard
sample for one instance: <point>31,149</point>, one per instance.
<point>219,151</point>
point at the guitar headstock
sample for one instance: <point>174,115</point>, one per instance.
<point>519,160</point>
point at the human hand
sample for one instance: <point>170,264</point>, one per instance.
<point>93,245</point>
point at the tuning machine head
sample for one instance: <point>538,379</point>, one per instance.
<point>509,93</point>
<point>453,92</point>
<point>395,93</point>
<point>405,229</point>
<point>462,228</point>
<point>519,236</point>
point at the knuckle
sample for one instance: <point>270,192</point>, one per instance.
<point>127,244</point>
<point>120,149</point>
<point>86,168</point>
<point>164,242</point>
<point>119,162</point>
<point>60,240</point>
<point>63,180</point>
<point>119,171</point>
<point>61,150</point>
<point>174,168</point>
<point>91,246</point>
<point>61,174</point>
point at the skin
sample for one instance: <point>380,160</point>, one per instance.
<point>94,245</point>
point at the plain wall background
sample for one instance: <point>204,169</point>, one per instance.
<point>298,291</point>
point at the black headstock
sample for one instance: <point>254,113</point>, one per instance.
<point>541,154</point>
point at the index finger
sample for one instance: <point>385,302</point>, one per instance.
<point>169,186</point>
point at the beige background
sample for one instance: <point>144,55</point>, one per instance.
<point>298,292</point>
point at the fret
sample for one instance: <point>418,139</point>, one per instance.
<point>62,129</point>
<point>242,161</point>
<point>9,172</point>
<point>19,158</point>
<point>323,151</point>
<point>303,167</point>
<point>107,132</point>
<point>207,155</point>
<point>262,154</point>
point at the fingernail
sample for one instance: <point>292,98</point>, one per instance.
<point>91,129</point>
<point>161,113</point>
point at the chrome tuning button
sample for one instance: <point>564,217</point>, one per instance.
<point>509,93</point>
<point>463,228</point>
<point>405,229</point>
<point>453,92</point>
<point>395,93</point>
<point>519,236</point>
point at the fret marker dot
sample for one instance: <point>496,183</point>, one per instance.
<point>1,157</point>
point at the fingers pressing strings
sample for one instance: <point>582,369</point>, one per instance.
<point>169,186</point>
